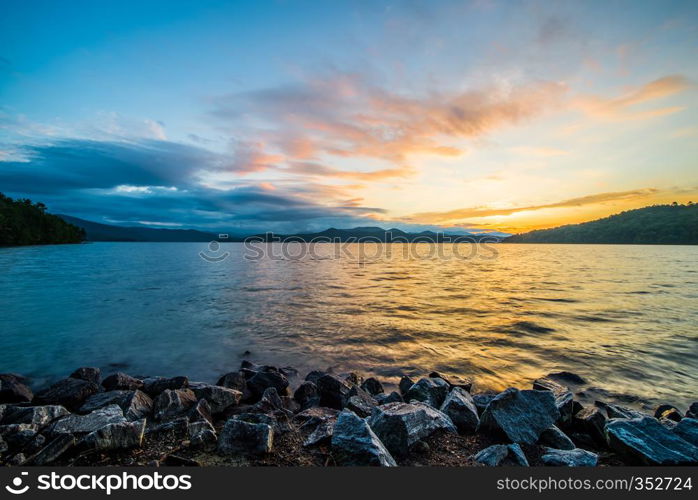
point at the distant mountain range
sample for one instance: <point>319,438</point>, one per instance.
<point>105,232</point>
<point>655,225</point>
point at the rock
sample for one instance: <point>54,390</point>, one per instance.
<point>267,377</point>
<point>353,378</point>
<point>405,384</point>
<point>201,412</point>
<point>236,381</point>
<point>89,374</point>
<point>171,404</point>
<point>202,435</point>
<point>669,412</point>
<point>314,375</point>
<point>617,411</point>
<point>219,398</point>
<point>269,403</point>
<point>52,451</point>
<point>575,457</point>
<point>333,391</point>
<point>432,391</point>
<point>372,386</point>
<point>360,402</point>
<point>482,400</point>
<point>393,397</point>
<point>646,441</point>
<point>502,454</point>
<point>567,378</point>
<point>121,381</point>
<point>321,434</point>
<point>17,460</point>
<point>38,415</point>
<point>355,444</point>
<point>135,404</point>
<point>687,430</point>
<point>564,399</point>
<point>69,392</point>
<point>18,436</point>
<point>177,427</point>
<point>84,424</point>
<point>3,445</point>
<point>153,386</point>
<point>13,389</point>
<point>454,381</point>
<point>553,437</point>
<point>521,416</point>
<point>460,408</point>
<point>288,371</point>
<point>692,411</point>
<point>239,436</point>
<point>278,422</point>
<point>307,395</point>
<point>118,436</point>
<point>400,425</point>
<point>591,421</point>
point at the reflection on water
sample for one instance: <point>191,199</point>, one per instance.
<point>625,317</point>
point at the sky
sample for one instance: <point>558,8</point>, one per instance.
<point>295,116</point>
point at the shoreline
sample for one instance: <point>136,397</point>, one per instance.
<point>264,415</point>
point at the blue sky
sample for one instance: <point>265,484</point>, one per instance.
<point>296,116</point>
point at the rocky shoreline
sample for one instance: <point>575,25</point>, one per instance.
<point>264,415</point>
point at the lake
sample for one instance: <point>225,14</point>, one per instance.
<point>623,317</point>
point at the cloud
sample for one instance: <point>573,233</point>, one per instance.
<point>472,212</point>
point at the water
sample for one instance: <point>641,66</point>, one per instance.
<point>624,317</point>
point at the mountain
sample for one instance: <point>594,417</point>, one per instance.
<point>369,234</point>
<point>673,224</point>
<point>105,232</point>
<point>25,223</point>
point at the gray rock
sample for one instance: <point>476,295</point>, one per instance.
<point>38,415</point>
<point>269,402</point>
<point>552,437</point>
<point>692,411</point>
<point>172,404</point>
<point>454,381</point>
<point>17,460</point>
<point>278,422</point>
<point>237,381</point>
<point>372,386</point>
<point>460,408</point>
<point>239,436</point>
<point>405,384</point>
<point>591,421</point>
<point>177,427</point>
<point>314,375</point>
<point>53,451</point>
<point>268,376</point>
<point>89,374</point>
<point>482,400</point>
<point>13,389</point>
<point>521,416</point>
<point>384,399</point>
<point>153,386</point>
<point>360,402</point>
<point>219,398</point>
<point>202,435</point>
<point>84,424</point>
<point>617,411</point>
<point>3,445</point>
<point>564,399</point>
<point>575,457</point>
<point>18,436</point>
<point>355,444</point>
<point>135,404</point>
<point>69,392</point>
<point>646,441</point>
<point>121,382</point>
<point>201,412</point>
<point>400,425</point>
<point>432,391</point>
<point>321,434</point>
<point>307,395</point>
<point>333,391</point>
<point>117,436</point>
<point>502,454</point>
<point>687,430</point>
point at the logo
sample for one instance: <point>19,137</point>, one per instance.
<point>16,488</point>
<point>214,248</point>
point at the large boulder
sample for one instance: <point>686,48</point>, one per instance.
<point>405,384</point>
<point>591,421</point>
<point>69,392</point>
<point>501,454</point>
<point>239,436</point>
<point>117,436</point>
<point>617,411</point>
<point>307,395</point>
<point>172,404</point>
<point>18,436</point>
<point>372,386</point>
<point>236,381</point>
<point>460,408</point>
<point>322,433</point>
<point>333,391</point>
<point>219,398</point>
<point>88,373</point>
<point>575,457</point>
<point>267,376</point>
<point>393,397</point>
<point>355,444</point>
<point>552,437</point>
<point>135,404</point>
<point>687,430</point>
<point>153,386</point>
<point>454,381</point>
<point>646,441</point>
<point>201,412</point>
<point>564,399</point>
<point>360,402</point>
<point>401,425</point>
<point>432,391</point>
<point>38,415</point>
<point>520,416</point>
<point>120,381</point>
<point>52,451</point>
<point>84,424</point>
<point>202,435</point>
<point>13,389</point>
<point>481,401</point>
